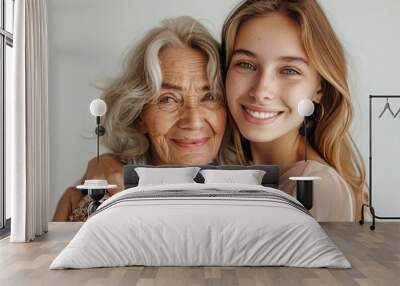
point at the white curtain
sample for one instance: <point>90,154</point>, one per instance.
<point>27,140</point>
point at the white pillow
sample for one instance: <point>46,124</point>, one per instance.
<point>248,177</point>
<point>162,176</point>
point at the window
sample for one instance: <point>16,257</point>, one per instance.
<point>6,61</point>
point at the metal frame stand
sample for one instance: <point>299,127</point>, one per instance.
<point>369,205</point>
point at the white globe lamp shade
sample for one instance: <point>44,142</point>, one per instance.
<point>305,107</point>
<point>98,107</point>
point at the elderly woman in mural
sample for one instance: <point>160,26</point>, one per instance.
<point>166,108</point>
<point>276,53</point>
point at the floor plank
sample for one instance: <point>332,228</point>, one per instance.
<point>374,255</point>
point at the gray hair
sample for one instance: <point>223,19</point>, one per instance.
<point>141,81</point>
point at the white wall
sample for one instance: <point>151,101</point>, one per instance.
<point>88,38</point>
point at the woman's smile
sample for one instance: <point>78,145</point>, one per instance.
<point>260,115</point>
<point>190,143</point>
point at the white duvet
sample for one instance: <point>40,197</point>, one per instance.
<point>209,229</point>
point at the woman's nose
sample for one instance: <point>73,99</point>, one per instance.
<point>264,87</point>
<point>191,117</point>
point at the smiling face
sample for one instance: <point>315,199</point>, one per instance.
<point>269,73</point>
<point>186,121</point>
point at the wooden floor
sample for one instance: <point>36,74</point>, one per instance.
<point>374,255</point>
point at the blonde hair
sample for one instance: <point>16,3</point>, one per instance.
<point>141,81</point>
<point>332,139</point>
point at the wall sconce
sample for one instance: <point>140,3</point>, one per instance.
<point>304,188</point>
<point>97,188</point>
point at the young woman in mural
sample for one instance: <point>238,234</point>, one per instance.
<point>276,53</point>
<point>166,108</point>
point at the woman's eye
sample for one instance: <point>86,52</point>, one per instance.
<point>167,99</point>
<point>290,72</point>
<point>245,65</point>
<point>209,97</point>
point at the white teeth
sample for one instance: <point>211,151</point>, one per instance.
<point>261,115</point>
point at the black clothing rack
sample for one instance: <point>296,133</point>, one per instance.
<point>369,205</point>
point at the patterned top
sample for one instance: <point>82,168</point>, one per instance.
<point>80,213</point>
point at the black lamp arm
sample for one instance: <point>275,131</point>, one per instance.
<point>305,138</point>
<point>100,131</point>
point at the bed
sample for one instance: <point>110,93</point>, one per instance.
<point>201,224</point>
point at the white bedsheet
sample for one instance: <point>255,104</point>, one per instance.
<point>185,231</point>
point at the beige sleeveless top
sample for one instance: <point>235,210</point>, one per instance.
<point>332,196</point>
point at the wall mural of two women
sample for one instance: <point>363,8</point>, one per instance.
<point>185,99</point>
